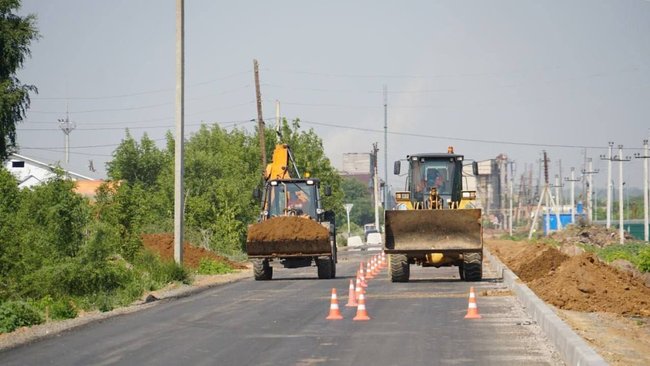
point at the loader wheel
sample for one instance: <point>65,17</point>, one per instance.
<point>461,271</point>
<point>472,267</point>
<point>326,268</point>
<point>399,268</point>
<point>262,270</point>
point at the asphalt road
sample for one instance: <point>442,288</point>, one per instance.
<point>282,322</point>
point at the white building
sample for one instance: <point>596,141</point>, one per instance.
<point>30,172</point>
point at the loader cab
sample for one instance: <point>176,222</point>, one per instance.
<point>440,171</point>
<point>295,197</point>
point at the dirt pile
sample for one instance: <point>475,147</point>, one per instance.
<point>163,244</point>
<point>287,228</point>
<point>596,235</point>
<point>538,261</point>
<point>581,282</point>
<point>287,235</point>
<point>584,283</point>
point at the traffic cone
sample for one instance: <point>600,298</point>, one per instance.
<point>358,290</point>
<point>335,314</point>
<point>472,309</point>
<point>352,296</point>
<point>369,270</point>
<point>362,314</point>
<point>362,278</point>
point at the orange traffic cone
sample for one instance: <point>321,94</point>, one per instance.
<point>358,290</point>
<point>362,278</point>
<point>352,297</point>
<point>362,314</point>
<point>472,309</point>
<point>369,270</point>
<point>335,314</point>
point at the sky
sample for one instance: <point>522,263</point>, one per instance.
<point>512,77</point>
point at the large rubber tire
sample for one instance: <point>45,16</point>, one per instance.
<point>326,268</point>
<point>262,270</point>
<point>472,267</point>
<point>461,271</point>
<point>400,270</point>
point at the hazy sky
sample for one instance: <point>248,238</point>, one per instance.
<point>488,77</point>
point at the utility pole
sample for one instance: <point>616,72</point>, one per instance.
<point>179,204</point>
<point>589,172</point>
<point>645,158</point>
<point>573,180</point>
<point>609,183</point>
<point>375,184</point>
<point>620,159</point>
<point>545,195</point>
<point>511,188</point>
<point>260,119</point>
<point>385,146</point>
<point>66,126</point>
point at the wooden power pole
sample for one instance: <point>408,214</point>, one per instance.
<point>260,120</point>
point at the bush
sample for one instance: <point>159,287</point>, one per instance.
<point>643,260</point>
<point>209,266</point>
<point>63,309</point>
<point>16,314</point>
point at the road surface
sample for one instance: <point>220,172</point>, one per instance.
<point>282,322</point>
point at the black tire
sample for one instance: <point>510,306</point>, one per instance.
<point>400,270</point>
<point>262,270</point>
<point>461,271</point>
<point>326,268</point>
<point>472,267</point>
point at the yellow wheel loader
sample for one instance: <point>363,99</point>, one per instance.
<point>293,227</point>
<point>434,222</point>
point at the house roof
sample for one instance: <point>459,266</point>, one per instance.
<point>48,166</point>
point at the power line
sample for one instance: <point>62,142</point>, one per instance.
<point>155,91</point>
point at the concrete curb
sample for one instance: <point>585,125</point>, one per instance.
<point>573,349</point>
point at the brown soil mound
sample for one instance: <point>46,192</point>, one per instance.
<point>584,283</point>
<point>581,282</point>
<point>163,244</point>
<point>287,228</point>
<point>595,235</point>
<point>540,263</point>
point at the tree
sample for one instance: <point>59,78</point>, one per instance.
<point>16,34</point>
<point>357,193</point>
<point>136,162</point>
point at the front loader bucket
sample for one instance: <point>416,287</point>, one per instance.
<point>433,230</point>
<point>287,236</point>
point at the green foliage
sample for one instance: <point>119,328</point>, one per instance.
<point>643,259</point>
<point>16,35</point>
<point>15,314</point>
<point>357,193</point>
<point>636,253</point>
<point>212,267</point>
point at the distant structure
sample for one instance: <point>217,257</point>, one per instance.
<point>31,172</point>
<point>360,166</point>
<point>491,187</point>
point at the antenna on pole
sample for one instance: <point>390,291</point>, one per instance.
<point>66,126</point>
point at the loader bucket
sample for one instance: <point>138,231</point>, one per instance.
<point>287,236</point>
<point>433,230</point>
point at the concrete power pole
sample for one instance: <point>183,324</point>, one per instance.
<point>376,185</point>
<point>260,120</point>
<point>385,146</point>
<point>573,180</point>
<point>645,158</point>
<point>589,172</point>
<point>179,204</point>
<point>620,159</point>
<point>66,126</point>
<point>609,183</point>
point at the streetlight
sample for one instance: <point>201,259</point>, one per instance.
<point>348,208</point>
